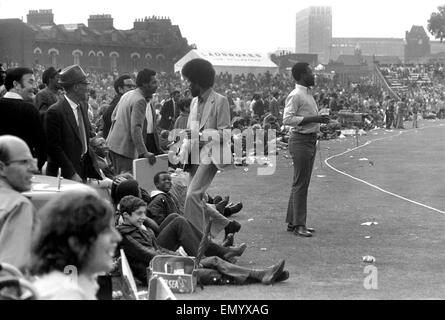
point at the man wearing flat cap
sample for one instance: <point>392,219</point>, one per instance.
<point>48,96</point>
<point>69,131</point>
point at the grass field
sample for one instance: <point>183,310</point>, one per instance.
<point>408,242</point>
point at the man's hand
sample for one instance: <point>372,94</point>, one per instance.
<point>150,156</point>
<point>189,133</point>
<point>315,119</point>
<point>324,118</point>
<point>76,178</point>
<point>202,143</point>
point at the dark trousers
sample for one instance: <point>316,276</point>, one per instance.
<point>177,231</point>
<point>389,119</point>
<point>238,273</point>
<point>302,149</point>
<point>150,144</point>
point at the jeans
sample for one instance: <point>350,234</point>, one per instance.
<point>302,149</point>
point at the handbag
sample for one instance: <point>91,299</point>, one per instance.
<point>179,272</point>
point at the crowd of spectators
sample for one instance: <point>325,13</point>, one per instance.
<point>421,85</point>
<point>90,247</point>
<point>255,101</point>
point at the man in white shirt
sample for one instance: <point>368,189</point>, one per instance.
<point>301,113</point>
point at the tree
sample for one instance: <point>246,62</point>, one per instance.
<point>436,23</point>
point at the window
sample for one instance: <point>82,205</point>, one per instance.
<point>135,63</point>
<point>53,57</point>
<point>113,60</point>
<point>99,55</point>
<point>77,54</point>
<point>77,58</point>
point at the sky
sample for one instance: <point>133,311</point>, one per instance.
<point>241,25</point>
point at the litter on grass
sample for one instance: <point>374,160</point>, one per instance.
<point>368,259</point>
<point>370,223</point>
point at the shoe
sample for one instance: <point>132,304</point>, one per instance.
<point>235,252</point>
<point>291,228</point>
<point>283,276</point>
<point>301,231</point>
<point>232,227</point>
<point>228,211</point>
<point>272,273</point>
<point>222,204</point>
<point>228,241</point>
<point>217,199</point>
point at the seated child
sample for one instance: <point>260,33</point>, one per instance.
<point>141,244</point>
<point>162,204</point>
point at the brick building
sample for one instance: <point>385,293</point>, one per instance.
<point>417,45</point>
<point>153,42</point>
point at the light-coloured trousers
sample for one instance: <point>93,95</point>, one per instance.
<point>196,208</point>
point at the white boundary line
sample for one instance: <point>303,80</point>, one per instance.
<point>374,186</point>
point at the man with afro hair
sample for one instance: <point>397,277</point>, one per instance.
<point>209,112</point>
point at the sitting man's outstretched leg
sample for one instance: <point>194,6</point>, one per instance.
<point>242,275</point>
<point>180,232</point>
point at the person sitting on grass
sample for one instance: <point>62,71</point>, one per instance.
<point>163,203</point>
<point>140,246</point>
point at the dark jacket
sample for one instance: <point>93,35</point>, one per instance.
<point>44,99</point>
<point>106,117</point>
<point>168,115</point>
<point>65,145</point>
<point>140,246</point>
<point>160,206</point>
<point>258,107</point>
<point>21,119</point>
